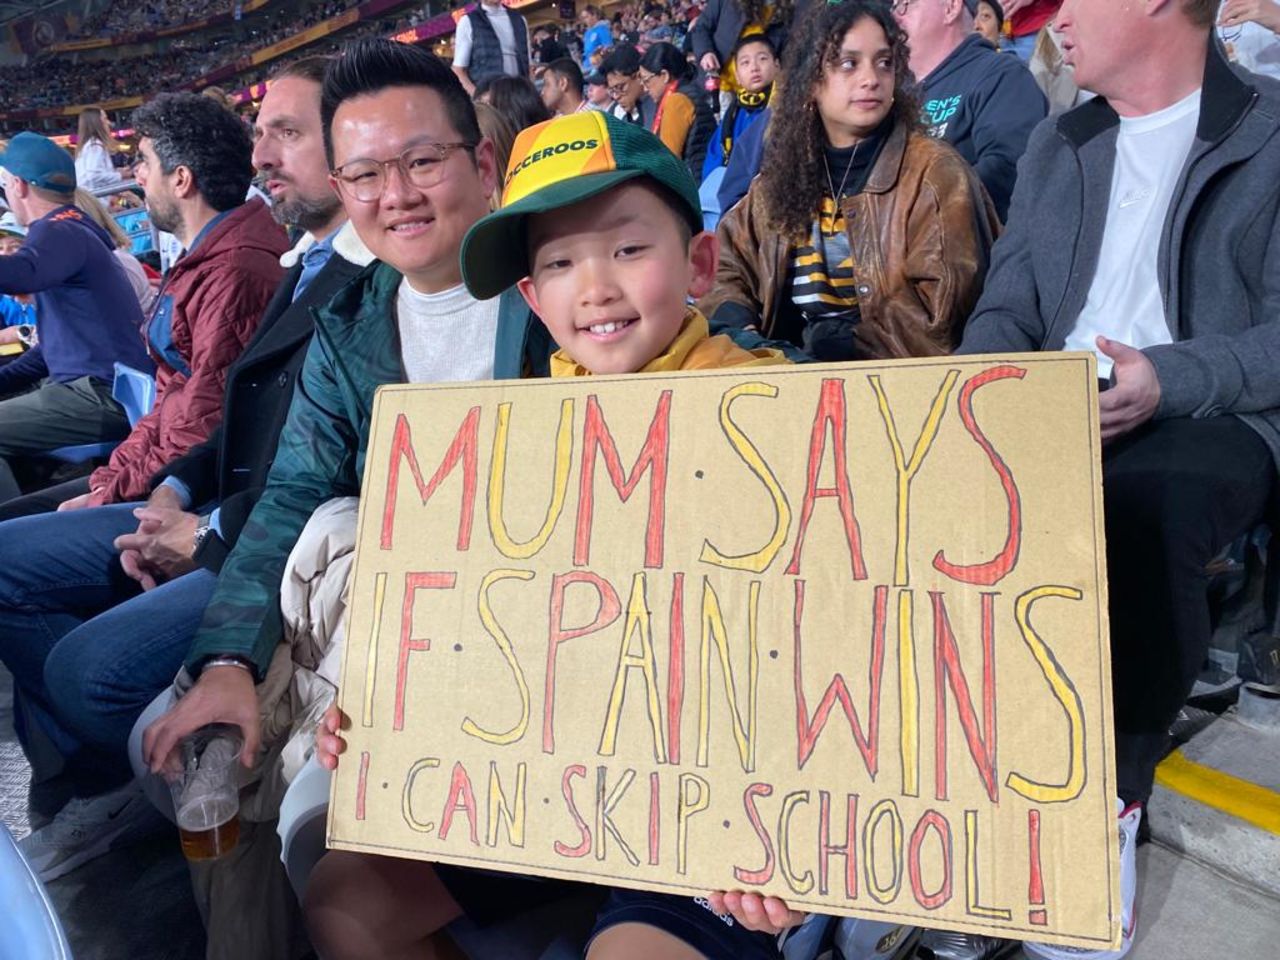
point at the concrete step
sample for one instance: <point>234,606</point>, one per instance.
<point>1217,799</point>
<point>1186,911</point>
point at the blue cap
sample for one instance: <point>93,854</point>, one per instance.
<point>40,162</point>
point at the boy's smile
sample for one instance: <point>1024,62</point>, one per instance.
<point>610,276</point>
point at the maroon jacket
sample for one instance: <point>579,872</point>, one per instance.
<point>208,308</point>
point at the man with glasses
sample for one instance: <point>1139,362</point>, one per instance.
<point>414,173</point>
<point>621,67</point>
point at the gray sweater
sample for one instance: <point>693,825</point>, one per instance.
<point>1219,258</point>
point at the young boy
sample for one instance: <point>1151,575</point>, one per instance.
<point>600,229</point>
<point>755,66</point>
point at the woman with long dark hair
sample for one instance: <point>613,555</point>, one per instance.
<point>516,98</point>
<point>862,238</point>
<point>682,119</point>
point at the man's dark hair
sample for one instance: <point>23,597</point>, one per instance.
<point>308,68</point>
<point>753,38</point>
<point>592,9</point>
<point>373,65</point>
<point>623,59</point>
<point>567,68</point>
<point>199,133</point>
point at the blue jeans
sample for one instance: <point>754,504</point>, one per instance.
<point>88,649</point>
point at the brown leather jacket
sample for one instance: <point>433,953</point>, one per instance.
<point>920,233</point>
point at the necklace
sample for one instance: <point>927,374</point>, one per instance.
<point>827,166</point>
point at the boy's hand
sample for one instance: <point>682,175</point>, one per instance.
<point>329,742</point>
<point>766,914</point>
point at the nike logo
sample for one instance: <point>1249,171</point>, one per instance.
<point>115,813</point>
<point>1133,198</point>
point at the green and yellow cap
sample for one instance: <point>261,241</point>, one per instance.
<point>559,163</point>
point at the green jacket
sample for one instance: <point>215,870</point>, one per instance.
<point>356,349</point>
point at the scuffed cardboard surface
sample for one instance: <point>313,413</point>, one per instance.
<point>870,594</point>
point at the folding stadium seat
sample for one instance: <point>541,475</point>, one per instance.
<point>29,927</point>
<point>133,390</point>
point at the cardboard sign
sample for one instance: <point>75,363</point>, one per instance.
<point>836,633</point>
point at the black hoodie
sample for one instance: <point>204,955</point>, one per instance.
<point>985,104</point>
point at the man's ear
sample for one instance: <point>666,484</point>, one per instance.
<point>530,294</point>
<point>487,166</point>
<point>184,182</point>
<point>704,257</point>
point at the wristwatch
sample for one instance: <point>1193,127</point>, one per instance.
<point>27,334</point>
<point>203,532</point>
<point>208,548</point>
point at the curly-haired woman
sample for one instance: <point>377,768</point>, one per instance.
<point>862,238</point>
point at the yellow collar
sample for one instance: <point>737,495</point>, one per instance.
<point>692,332</point>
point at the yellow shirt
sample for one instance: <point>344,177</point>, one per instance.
<point>693,349</point>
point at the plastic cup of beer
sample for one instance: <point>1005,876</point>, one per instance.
<point>206,791</point>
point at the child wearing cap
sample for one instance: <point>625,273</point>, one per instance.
<point>610,226</point>
<point>600,230</point>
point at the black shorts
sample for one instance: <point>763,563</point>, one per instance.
<point>488,896</point>
<point>689,919</point>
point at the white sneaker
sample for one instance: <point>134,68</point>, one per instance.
<point>86,828</point>
<point>1130,817</point>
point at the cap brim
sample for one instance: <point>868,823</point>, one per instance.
<point>494,254</point>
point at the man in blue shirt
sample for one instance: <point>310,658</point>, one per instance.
<point>69,263</point>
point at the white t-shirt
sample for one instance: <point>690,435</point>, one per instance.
<point>93,166</point>
<point>447,336</point>
<point>500,20</point>
<point>1124,302</point>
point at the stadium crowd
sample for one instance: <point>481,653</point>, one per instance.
<point>60,80</point>
<point>135,16</point>
<point>833,181</point>
<point>76,78</point>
